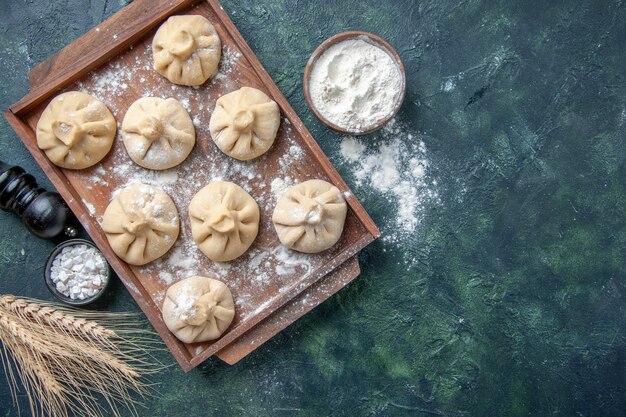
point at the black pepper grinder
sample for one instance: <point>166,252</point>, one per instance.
<point>44,213</point>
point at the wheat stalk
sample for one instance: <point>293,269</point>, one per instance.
<point>56,317</point>
<point>64,356</point>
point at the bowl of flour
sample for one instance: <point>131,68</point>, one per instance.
<point>76,272</point>
<point>354,82</point>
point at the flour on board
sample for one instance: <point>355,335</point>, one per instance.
<point>263,269</point>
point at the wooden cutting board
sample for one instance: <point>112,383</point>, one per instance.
<point>284,316</point>
<point>268,279</point>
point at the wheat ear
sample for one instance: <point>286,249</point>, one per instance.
<point>54,317</point>
<point>64,356</point>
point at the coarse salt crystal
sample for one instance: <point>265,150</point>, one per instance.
<point>77,269</point>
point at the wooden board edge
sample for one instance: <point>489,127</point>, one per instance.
<point>254,338</point>
<point>290,294</point>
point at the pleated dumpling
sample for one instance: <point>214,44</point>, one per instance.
<point>75,130</point>
<point>309,216</point>
<point>198,309</point>
<point>186,50</point>
<point>141,224</point>
<point>224,220</point>
<point>158,134</point>
<point>244,123</point>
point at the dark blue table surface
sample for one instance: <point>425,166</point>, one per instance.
<point>502,293</point>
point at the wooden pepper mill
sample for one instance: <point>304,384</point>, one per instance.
<point>44,213</point>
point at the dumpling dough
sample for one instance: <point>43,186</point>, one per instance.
<point>198,309</point>
<point>309,217</point>
<point>186,50</point>
<point>224,220</point>
<point>244,123</point>
<point>158,134</point>
<point>141,224</point>
<point>76,130</point>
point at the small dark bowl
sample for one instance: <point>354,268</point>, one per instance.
<point>374,40</point>
<point>51,285</point>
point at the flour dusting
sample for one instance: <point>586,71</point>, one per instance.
<point>279,185</point>
<point>265,271</point>
<point>396,167</point>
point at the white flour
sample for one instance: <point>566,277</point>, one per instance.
<point>279,185</point>
<point>397,169</point>
<point>355,84</point>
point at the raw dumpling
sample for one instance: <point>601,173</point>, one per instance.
<point>141,224</point>
<point>244,123</point>
<point>198,309</point>
<point>224,220</point>
<point>309,217</point>
<point>158,134</point>
<point>76,130</point>
<point>186,50</point>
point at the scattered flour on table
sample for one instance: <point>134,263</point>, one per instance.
<point>448,85</point>
<point>396,167</point>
